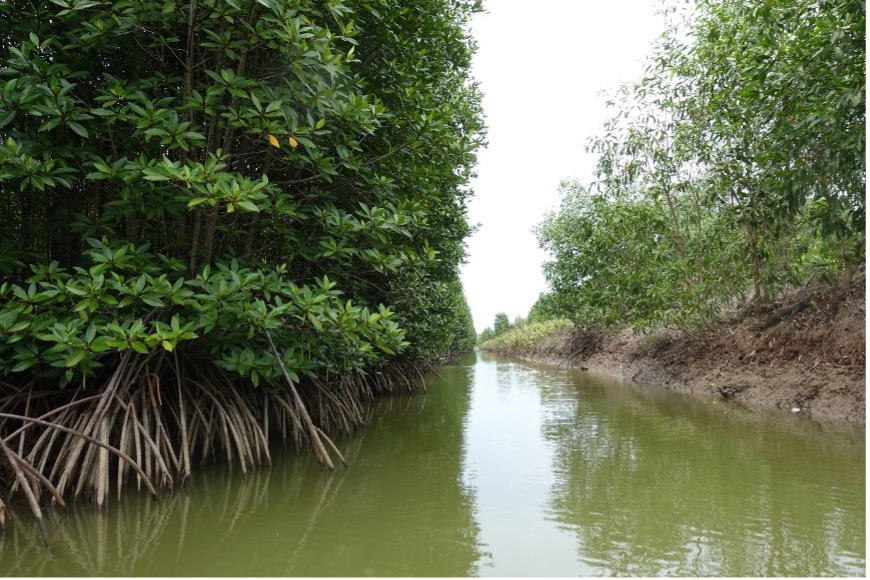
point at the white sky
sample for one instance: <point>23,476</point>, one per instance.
<point>541,66</point>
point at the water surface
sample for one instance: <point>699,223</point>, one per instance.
<point>502,468</point>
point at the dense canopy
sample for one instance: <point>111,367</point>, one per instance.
<point>201,171</point>
<point>216,215</point>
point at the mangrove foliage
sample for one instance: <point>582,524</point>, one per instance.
<point>222,220</point>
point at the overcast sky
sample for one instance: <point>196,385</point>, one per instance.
<point>542,66</point>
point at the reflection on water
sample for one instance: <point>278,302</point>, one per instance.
<point>508,469</point>
<point>703,490</point>
<point>647,482</point>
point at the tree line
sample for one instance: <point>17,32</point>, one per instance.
<point>732,172</point>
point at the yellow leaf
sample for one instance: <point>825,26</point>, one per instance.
<point>293,142</point>
<point>274,141</point>
<point>308,22</point>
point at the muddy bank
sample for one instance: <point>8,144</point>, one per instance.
<point>806,353</point>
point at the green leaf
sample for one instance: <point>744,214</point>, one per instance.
<point>152,301</point>
<point>49,124</point>
<point>386,349</point>
<point>24,365</point>
<point>152,175</point>
<point>248,206</point>
<point>78,129</point>
<point>90,333</point>
<point>74,359</point>
<point>102,343</point>
<point>139,347</point>
<point>6,118</point>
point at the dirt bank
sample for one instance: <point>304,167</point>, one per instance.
<point>806,353</point>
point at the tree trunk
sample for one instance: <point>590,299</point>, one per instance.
<point>752,239</point>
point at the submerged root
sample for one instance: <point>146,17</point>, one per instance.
<point>151,417</point>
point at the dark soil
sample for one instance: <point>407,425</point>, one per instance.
<point>806,354</point>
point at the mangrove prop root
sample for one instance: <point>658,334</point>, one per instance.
<point>58,498</point>
<point>28,491</point>
<point>182,417</point>
<point>152,446</point>
<point>54,411</point>
<point>320,450</point>
<point>332,445</point>
<point>157,415</point>
<point>89,439</point>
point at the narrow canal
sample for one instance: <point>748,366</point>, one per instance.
<point>502,468</point>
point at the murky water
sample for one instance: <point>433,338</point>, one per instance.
<point>502,469</point>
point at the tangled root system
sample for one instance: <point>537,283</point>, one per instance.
<point>154,416</point>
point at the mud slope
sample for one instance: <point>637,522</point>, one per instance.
<point>806,353</point>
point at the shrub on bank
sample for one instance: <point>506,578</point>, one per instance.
<point>528,335</point>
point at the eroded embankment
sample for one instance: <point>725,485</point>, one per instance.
<point>806,354</point>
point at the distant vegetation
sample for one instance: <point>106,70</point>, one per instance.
<point>523,334</point>
<point>733,171</point>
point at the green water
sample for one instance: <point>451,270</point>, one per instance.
<point>502,469</point>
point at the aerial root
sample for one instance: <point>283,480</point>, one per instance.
<point>333,447</point>
<point>28,490</point>
<point>316,440</point>
<point>149,418</point>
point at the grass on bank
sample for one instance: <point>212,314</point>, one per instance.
<point>525,336</point>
